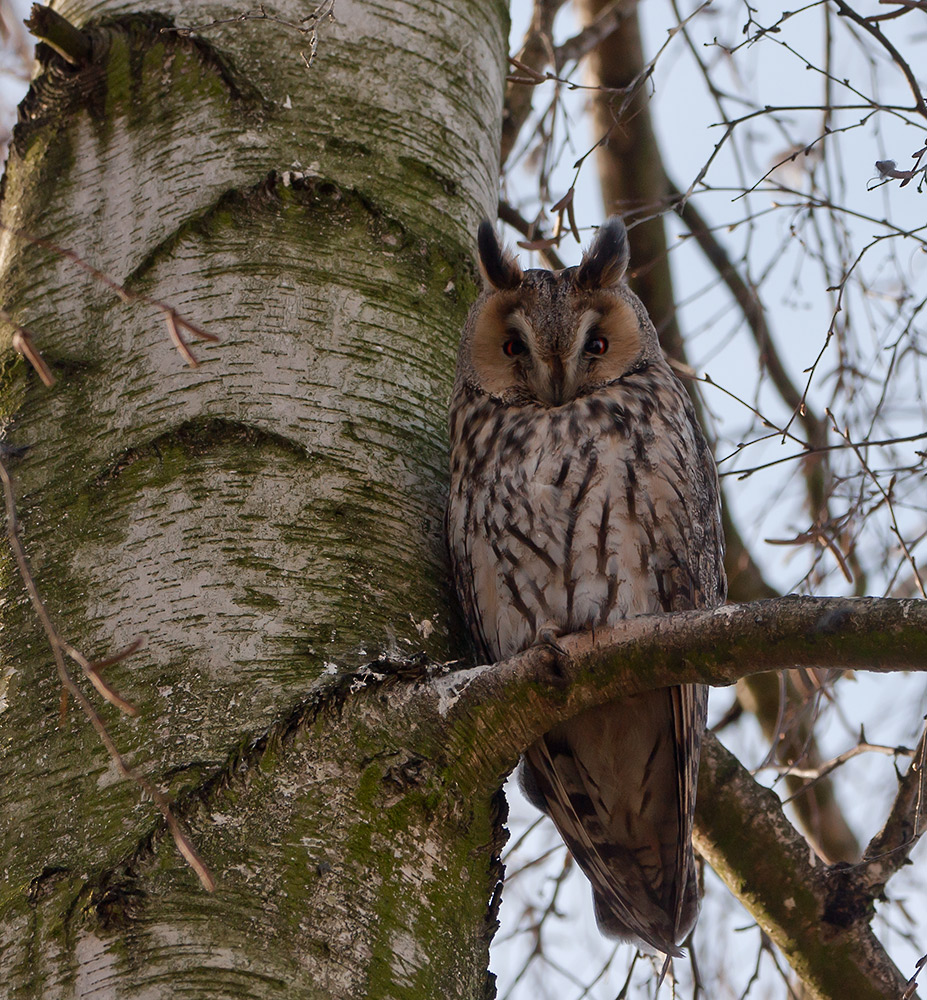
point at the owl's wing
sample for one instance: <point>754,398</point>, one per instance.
<point>619,781</point>
<point>690,713</point>
<point>459,542</point>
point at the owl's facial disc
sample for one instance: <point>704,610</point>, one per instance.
<point>555,358</point>
<point>612,341</point>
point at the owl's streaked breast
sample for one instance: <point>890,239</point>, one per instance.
<point>568,517</point>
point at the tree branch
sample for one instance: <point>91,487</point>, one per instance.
<point>845,10</point>
<point>594,33</point>
<point>817,914</point>
<point>630,164</point>
<point>752,308</point>
<point>536,52</point>
<point>632,177</point>
<point>56,31</point>
<point>519,699</point>
<point>516,220</point>
<point>811,911</point>
<point>890,848</point>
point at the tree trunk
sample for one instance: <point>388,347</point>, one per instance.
<point>265,520</point>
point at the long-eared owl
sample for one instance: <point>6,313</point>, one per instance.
<point>583,492</point>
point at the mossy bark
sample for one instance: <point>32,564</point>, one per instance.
<point>262,520</point>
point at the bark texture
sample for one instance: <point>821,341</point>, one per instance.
<point>258,519</point>
<point>815,914</point>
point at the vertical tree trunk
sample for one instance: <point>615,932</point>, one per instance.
<point>264,520</point>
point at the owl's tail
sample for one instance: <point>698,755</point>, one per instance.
<point>619,783</point>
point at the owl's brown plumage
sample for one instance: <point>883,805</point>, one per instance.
<point>582,492</point>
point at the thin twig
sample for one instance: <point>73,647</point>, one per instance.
<point>847,11</point>
<point>174,321</point>
<point>25,345</point>
<point>59,648</point>
<point>544,247</point>
<point>305,25</point>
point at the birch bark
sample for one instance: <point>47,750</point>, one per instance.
<point>263,520</point>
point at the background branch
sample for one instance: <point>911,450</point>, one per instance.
<point>891,847</point>
<point>809,910</point>
<point>634,180</point>
<point>536,53</point>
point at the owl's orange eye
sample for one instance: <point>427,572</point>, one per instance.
<point>596,345</point>
<point>513,347</point>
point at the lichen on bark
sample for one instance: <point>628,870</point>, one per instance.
<point>263,519</point>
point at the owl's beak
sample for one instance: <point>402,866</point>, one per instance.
<point>556,381</point>
<point>550,381</point>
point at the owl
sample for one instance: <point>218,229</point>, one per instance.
<point>583,492</point>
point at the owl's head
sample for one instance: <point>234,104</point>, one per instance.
<point>550,336</point>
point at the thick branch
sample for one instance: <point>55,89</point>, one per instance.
<point>818,915</point>
<point>520,698</point>
<point>811,911</point>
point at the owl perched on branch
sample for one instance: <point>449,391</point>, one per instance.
<point>583,492</point>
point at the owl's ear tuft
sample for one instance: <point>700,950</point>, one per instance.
<point>500,269</point>
<point>606,260</point>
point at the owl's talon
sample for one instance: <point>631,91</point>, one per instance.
<point>548,637</point>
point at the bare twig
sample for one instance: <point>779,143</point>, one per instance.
<point>886,495</point>
<point>174,321</point>
<point>305,25</point>
<point>308,25</point>
<point>25,345</point>
<point>814,773</point>
<point>889,849</point>
<point>534,56</point>
<point>847,11</point>
<point>544,247</point>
